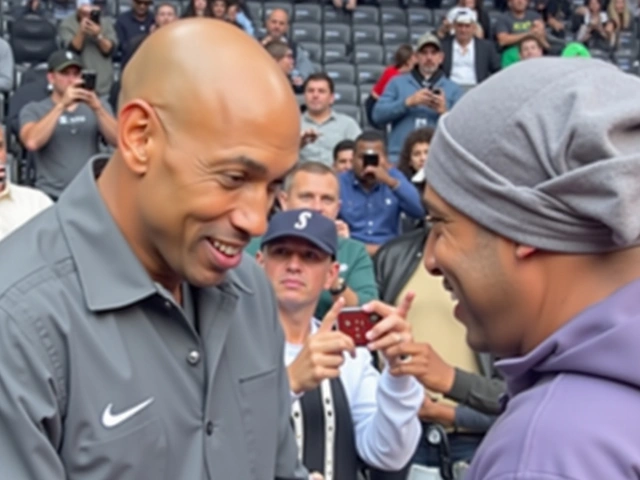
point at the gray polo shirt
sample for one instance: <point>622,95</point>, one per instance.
<point>74,140</point>
<point>103,376</point>
<point>336,128</point>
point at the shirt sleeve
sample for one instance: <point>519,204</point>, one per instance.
<point>378,88</point>
<point>30,419</point>
<point>502,25</point>
<point>384,410</point>
<point>353,130</point>
<point>110,34</point>
<point>29,114</point>
<point>361,278</point>
<point>407,195</point>
<point>6,68</point>
<point>66,33</point>
<point>390,106</point>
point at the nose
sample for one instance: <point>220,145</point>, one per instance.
<point>250,215</point>
<point>429,258</point>
<point>294,263</point>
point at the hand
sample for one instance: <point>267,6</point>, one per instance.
<point>435,412</point>
<point>381,174</point>
<point>437,101</point>
<point>392,330</point>
<point>308,136</point>
<point>322,354</point>
<point>90,28</point>
<point>421,97</point>
<point>90,97</point>
<point>343,229</point>
<point>74,94</point>
<point>266,40</point>
<point>315,476</point>
<point>424,363</point>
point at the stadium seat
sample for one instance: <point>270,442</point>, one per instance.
<point>337,33</point>
<point>331,15</point>
<point>416,32</point>
<point>346,95</point>
<point>395,35</point>
<point>341,72</point>
<point>352,110</point>
<point>306,32</point>
<point>392,16</point>
<point>366,15</point>
<point>334,53</point>
<point>314,49</point>
<point>438,15</point>
<point>419,16</point>
<point>368,55</point>
<point>369,74</point>
<point>306,12</point>
<point>255,9</point>
<point>366,35</point>
<point>33,39</point>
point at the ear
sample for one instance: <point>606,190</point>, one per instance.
<point>260,258</point>
<point>332,275</point>
<point>138,128</point>
<point>524,251</point>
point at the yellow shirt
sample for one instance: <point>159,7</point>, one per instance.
<point>432,321</point>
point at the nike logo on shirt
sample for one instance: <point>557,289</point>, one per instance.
<point>110,420</point>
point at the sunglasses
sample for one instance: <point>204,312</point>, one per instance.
<point>143,2</point>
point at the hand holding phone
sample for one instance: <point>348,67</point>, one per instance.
<point>356,323</point>
<point>370,159</point>
<point>89,80</point>
<point>94,16</point>
<point>322,354</point>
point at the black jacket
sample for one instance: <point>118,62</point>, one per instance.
<point>487,60</point>
<point>394,264</point>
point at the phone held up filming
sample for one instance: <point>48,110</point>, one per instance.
<point>355,322</point>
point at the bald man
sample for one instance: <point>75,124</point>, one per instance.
<point>137,341</point>
<point>277,27</point>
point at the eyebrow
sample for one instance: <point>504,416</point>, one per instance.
<point>250,164</point>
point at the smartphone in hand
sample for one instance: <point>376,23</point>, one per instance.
<point>355,322</point>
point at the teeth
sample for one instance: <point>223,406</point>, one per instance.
<point>226,249</point>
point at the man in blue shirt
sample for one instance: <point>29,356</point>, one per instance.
<point>373,194</point>
<point>418,98</point>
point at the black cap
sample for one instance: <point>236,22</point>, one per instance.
<point>62,59</point>
<point>308,225</point>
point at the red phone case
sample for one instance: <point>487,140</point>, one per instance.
<point>356,323</point>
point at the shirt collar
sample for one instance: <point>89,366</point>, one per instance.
<point>332,116</point>
<point>110,274</point>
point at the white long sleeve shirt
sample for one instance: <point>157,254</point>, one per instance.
<point>384,408</point>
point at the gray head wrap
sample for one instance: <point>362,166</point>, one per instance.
<point>546,153</point>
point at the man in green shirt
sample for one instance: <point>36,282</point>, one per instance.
<point>315,186</point>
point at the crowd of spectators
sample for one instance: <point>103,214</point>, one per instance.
<point>364,172</point>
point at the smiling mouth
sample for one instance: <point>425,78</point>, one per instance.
<point>225,248</point>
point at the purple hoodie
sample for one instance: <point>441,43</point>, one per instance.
<point>574,408</point>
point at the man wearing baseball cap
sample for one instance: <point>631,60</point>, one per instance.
<point>418,98</point>
<point>63,131</point>
<point>536,233</point>
<point>468,60</point>
<point>343,409</point>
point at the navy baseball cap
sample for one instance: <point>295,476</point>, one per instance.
<point>309,225</point>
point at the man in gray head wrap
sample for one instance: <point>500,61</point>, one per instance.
<point>533,185</point>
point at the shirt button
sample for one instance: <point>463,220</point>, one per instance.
<point>168,305</point>
<point>209,428</point>
<point>194,357</point>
